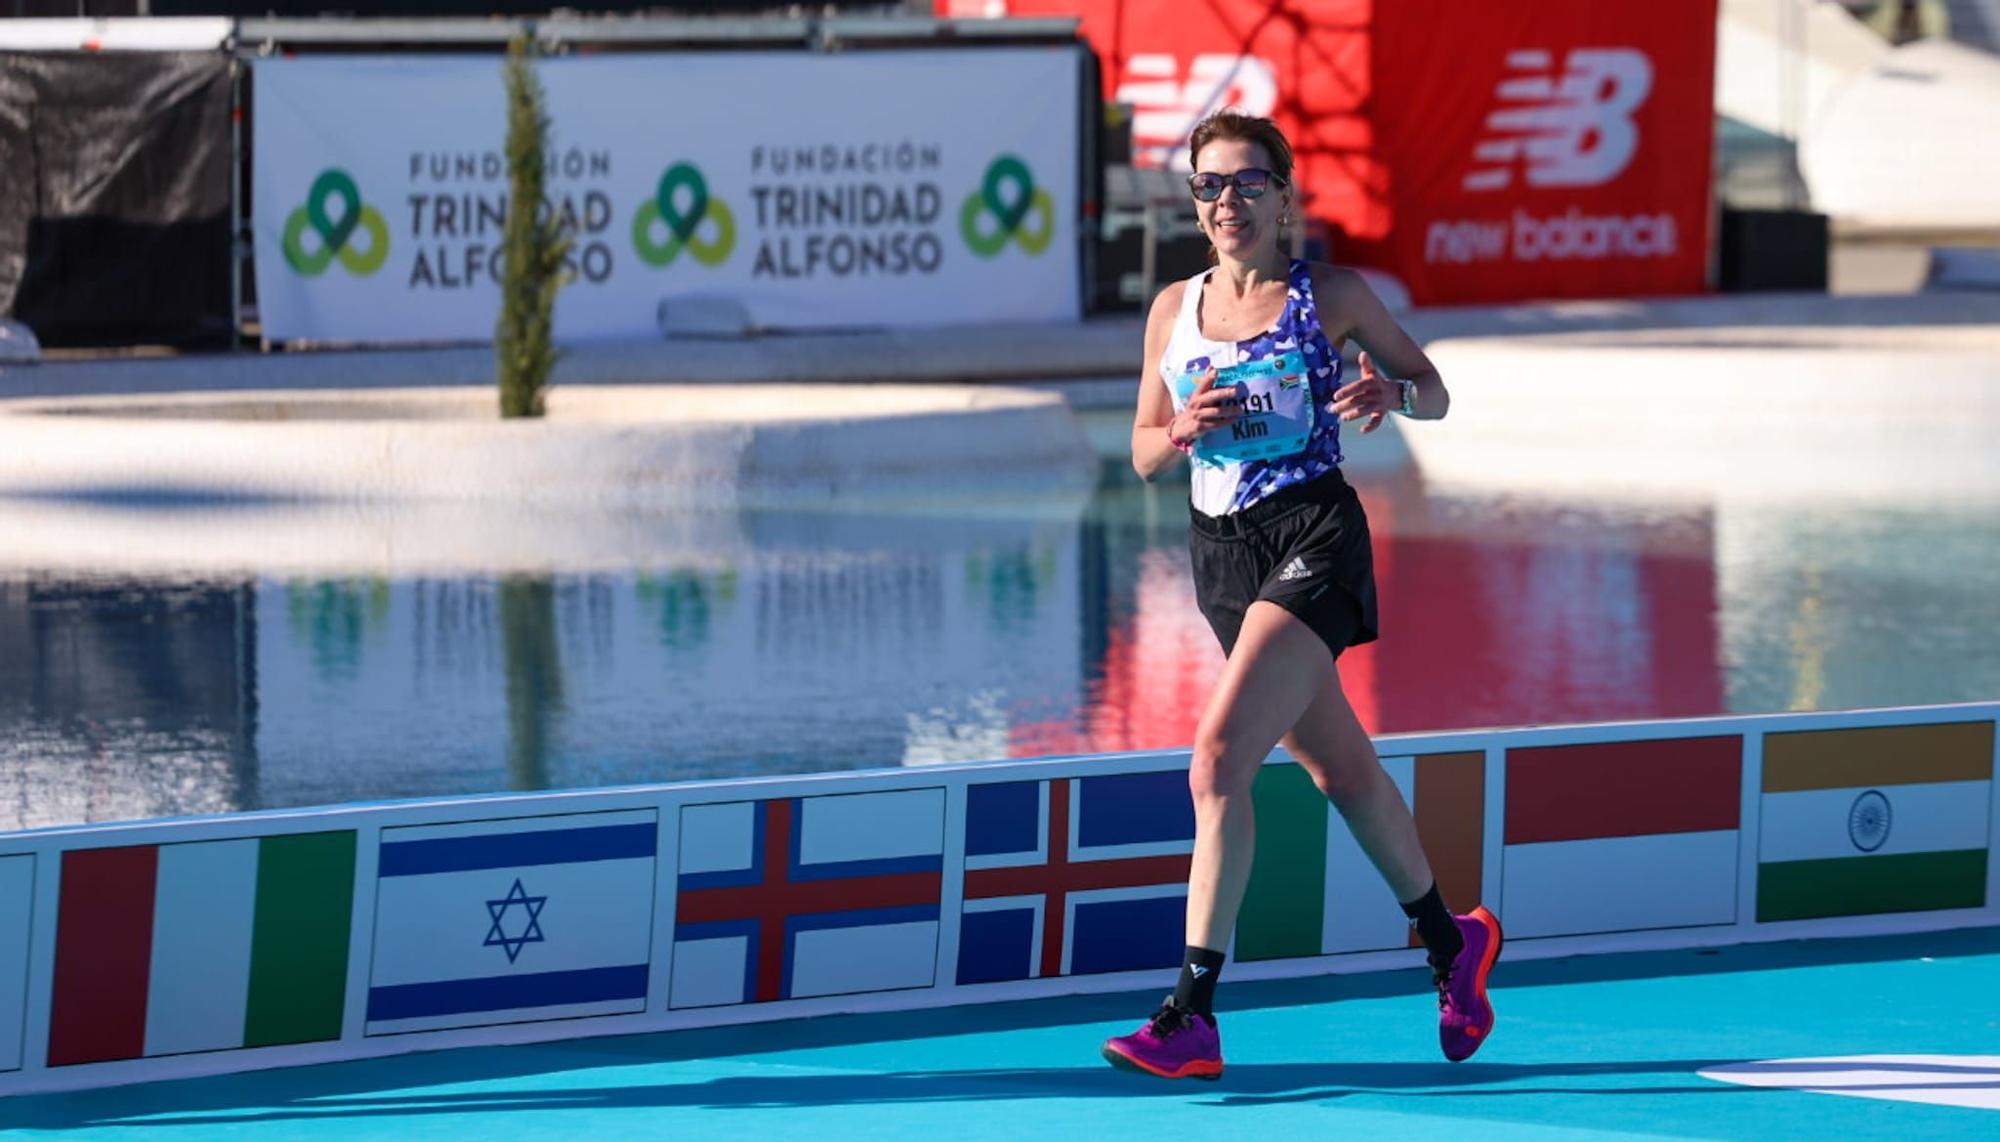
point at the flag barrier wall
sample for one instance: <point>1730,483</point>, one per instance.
<point>151,950</point>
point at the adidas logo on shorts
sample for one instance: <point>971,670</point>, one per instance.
<point>1296,569</point>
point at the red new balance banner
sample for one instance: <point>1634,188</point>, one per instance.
<point>1304,63</point>
<point>1557,149</point>
<point>1481,152</point>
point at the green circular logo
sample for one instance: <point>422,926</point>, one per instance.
<point>1008,195</point>
<point>334,212</point>
<point>681,205</point>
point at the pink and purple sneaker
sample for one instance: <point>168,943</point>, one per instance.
<point>1174,1044</point>
<point>1465,1015</point>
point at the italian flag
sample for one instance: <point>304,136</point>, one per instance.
<point>202,946</point>
<point>1314,892</point>
<point>1873,820</point>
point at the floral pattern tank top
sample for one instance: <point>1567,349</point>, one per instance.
<point>1230,486</point>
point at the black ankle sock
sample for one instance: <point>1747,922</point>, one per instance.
<point>1435,926</point>
<point>1195,992</point>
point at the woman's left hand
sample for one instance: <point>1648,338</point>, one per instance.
<point>1373,396</point>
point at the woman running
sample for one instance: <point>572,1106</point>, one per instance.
<point>1243,376</point>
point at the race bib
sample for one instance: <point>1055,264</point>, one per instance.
<point>1275,396</point>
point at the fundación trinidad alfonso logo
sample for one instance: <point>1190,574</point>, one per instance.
<point>334,213</point>
<point>995,212</point>
<point>680,206</point>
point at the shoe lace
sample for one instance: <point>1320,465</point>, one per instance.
<point>1171,1017</point>
<point>1441,979</point>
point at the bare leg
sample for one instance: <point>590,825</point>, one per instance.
<point>1275,673</point>
<point>1330,744</point>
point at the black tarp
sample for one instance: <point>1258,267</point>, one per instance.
<point>114,196</point>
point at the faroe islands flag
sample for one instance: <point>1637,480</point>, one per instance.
<point>513,921</point>
<point>807,896</point>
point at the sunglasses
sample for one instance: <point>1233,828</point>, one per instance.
<point>1250,182</point>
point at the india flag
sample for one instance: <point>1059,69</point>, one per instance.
<point>1313,891</point>
<point>1879,819</point>
<point>1621,836</point>
<point>201,946</point>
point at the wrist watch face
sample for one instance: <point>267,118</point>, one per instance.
<point>1409,390</point>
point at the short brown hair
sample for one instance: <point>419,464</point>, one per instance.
<point>1247,129</point>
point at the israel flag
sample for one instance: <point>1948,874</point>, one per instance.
<point>513,921</point>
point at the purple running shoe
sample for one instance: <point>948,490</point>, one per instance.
<point>1174,1044</point>
<point>1465,1015</point>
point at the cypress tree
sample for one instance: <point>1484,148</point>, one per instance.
<point>533,247</point>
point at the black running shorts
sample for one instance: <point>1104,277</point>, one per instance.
<point>1304,548</point>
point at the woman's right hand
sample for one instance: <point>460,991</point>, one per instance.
<point>1207,409</point>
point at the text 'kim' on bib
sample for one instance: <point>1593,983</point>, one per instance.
<point>1275,396</point>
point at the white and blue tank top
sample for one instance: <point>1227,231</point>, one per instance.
<point>1285,376</point>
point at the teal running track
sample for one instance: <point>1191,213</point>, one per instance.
<point>1599,1047</point>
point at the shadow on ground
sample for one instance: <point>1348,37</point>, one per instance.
<point>378,1087</point>
<point>260,1099</point>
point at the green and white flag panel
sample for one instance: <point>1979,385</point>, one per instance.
<point>1313,891</point>
<point>1362,914</point>
<point>200,946</point>
<point>17,899</point>
<point>1875,820</point>
<point>203,912</point>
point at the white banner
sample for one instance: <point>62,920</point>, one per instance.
<point>866,189</point>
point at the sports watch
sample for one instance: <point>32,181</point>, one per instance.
<point>1409,389</point>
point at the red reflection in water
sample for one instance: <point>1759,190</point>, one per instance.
<point>1148,689</point>
<point>1489,619</point>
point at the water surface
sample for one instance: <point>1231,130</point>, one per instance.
<point>771,643</point>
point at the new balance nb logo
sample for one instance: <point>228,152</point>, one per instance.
<point>1296,569</point>
<point>1576,130</point>
<point>1165,107</point>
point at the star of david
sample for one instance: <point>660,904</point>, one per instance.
<point>531,932</point>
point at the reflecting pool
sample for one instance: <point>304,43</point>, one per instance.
<point>170,684</point>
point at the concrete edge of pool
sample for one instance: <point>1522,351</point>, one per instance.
<point>1768,395</point>
<point>601,447</point>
